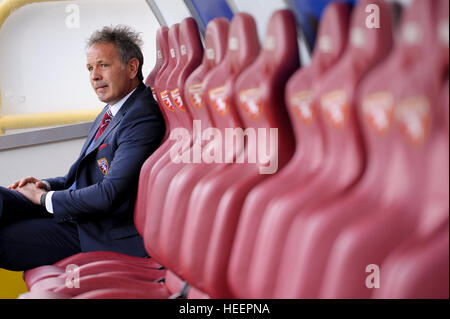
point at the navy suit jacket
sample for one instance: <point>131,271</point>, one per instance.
<point>102,206</point>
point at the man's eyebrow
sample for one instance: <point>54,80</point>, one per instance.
<point>96,62</point>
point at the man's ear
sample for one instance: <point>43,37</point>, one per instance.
<point>133,68</point>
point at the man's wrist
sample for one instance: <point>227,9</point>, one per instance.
<point>42,200</point>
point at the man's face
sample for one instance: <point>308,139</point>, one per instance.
<point>109,78</point>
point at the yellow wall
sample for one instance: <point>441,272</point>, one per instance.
<point>11,284</point>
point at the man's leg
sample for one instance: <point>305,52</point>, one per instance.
<point>15,206</point>
<point>29,236</point>
<point>32,243</point>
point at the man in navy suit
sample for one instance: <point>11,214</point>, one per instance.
<point>91,208</point>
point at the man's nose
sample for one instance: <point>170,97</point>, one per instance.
<point>95,74</point>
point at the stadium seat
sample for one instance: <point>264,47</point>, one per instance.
<point>343,160</point>
<point>401,204</point>
<point>174,70</point>
<point>162,175</point>
<point>162,40</point>
<point>161,58</point>
<point>243,47</point>
<point>418,268</point>
<point>216,200</point>
<point>171,227</point>
<point>417,271</point>
<point>299,95</point>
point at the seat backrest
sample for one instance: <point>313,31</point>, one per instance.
<point>215,48</point>
<point>157,239</point>
<point>161,58</point>
<point>154,82</point>
<point>243,48</point>
<point>412,82</point>
<point>336,93</point>
<point>423,140</point>
<point>380,91</point>
<point>415,49</point>
<point>187,51</point>
<point>191,50</point>
<point>434,148</point>
<point>298,93</point>
<point>259,90</point>
<point>332,39</point>
<point>161,84</point>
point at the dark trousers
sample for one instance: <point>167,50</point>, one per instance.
<point>29,235</point>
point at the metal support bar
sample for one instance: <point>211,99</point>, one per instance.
<point>21,121</point>
<point>44,136</point>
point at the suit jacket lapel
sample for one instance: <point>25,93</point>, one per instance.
<point>92,132</point>
<point>114,122</point>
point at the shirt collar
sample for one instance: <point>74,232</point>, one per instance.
<point>116,107</point>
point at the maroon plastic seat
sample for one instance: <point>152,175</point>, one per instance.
<point>215,203</point>
<point>216,44</point>
<point>160,85</point>
<point>403,206</point>
<point>343,160</point>
<point>161,60</point>
<point>308,153</point>
<point>162,175</point>
<point>242,50</point>
<point>104,267</point>
<point>418,268</point>
<point>172,221</point>
<point>419,271</point>
<point>171,78</point>
<point>316,230</point>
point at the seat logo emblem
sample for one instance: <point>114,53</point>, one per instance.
<point>335,106</point>
<point>166,100</point>
<point>413,117</point>
<point>196,95</point>
<point>251,102</point>
<point>302,103</point>
<point>176,96</point>
<point>219,100</point>
<point>378,110</point>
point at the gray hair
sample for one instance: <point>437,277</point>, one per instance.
<point>127,41</point>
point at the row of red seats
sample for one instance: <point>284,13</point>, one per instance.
<point>362,183</point>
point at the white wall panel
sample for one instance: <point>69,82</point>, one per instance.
<point>261,10</point>
<point>42,52</point>
<point>173,11</point>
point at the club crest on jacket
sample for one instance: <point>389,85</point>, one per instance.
<point>103,165</point>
